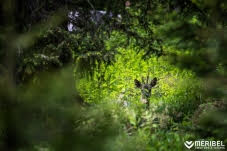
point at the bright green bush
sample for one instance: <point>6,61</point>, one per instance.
<point>116,82</point>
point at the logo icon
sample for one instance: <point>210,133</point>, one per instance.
<point>189,144</point>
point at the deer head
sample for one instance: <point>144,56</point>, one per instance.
<point>145,86</point>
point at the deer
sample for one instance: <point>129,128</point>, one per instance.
<point>146,87</point>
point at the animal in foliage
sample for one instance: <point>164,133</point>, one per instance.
<point>146,87</point>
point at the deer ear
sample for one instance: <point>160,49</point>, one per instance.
<point>153,82</point>
<point>137,83</point>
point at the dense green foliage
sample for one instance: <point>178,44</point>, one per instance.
<point>75,89</point>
